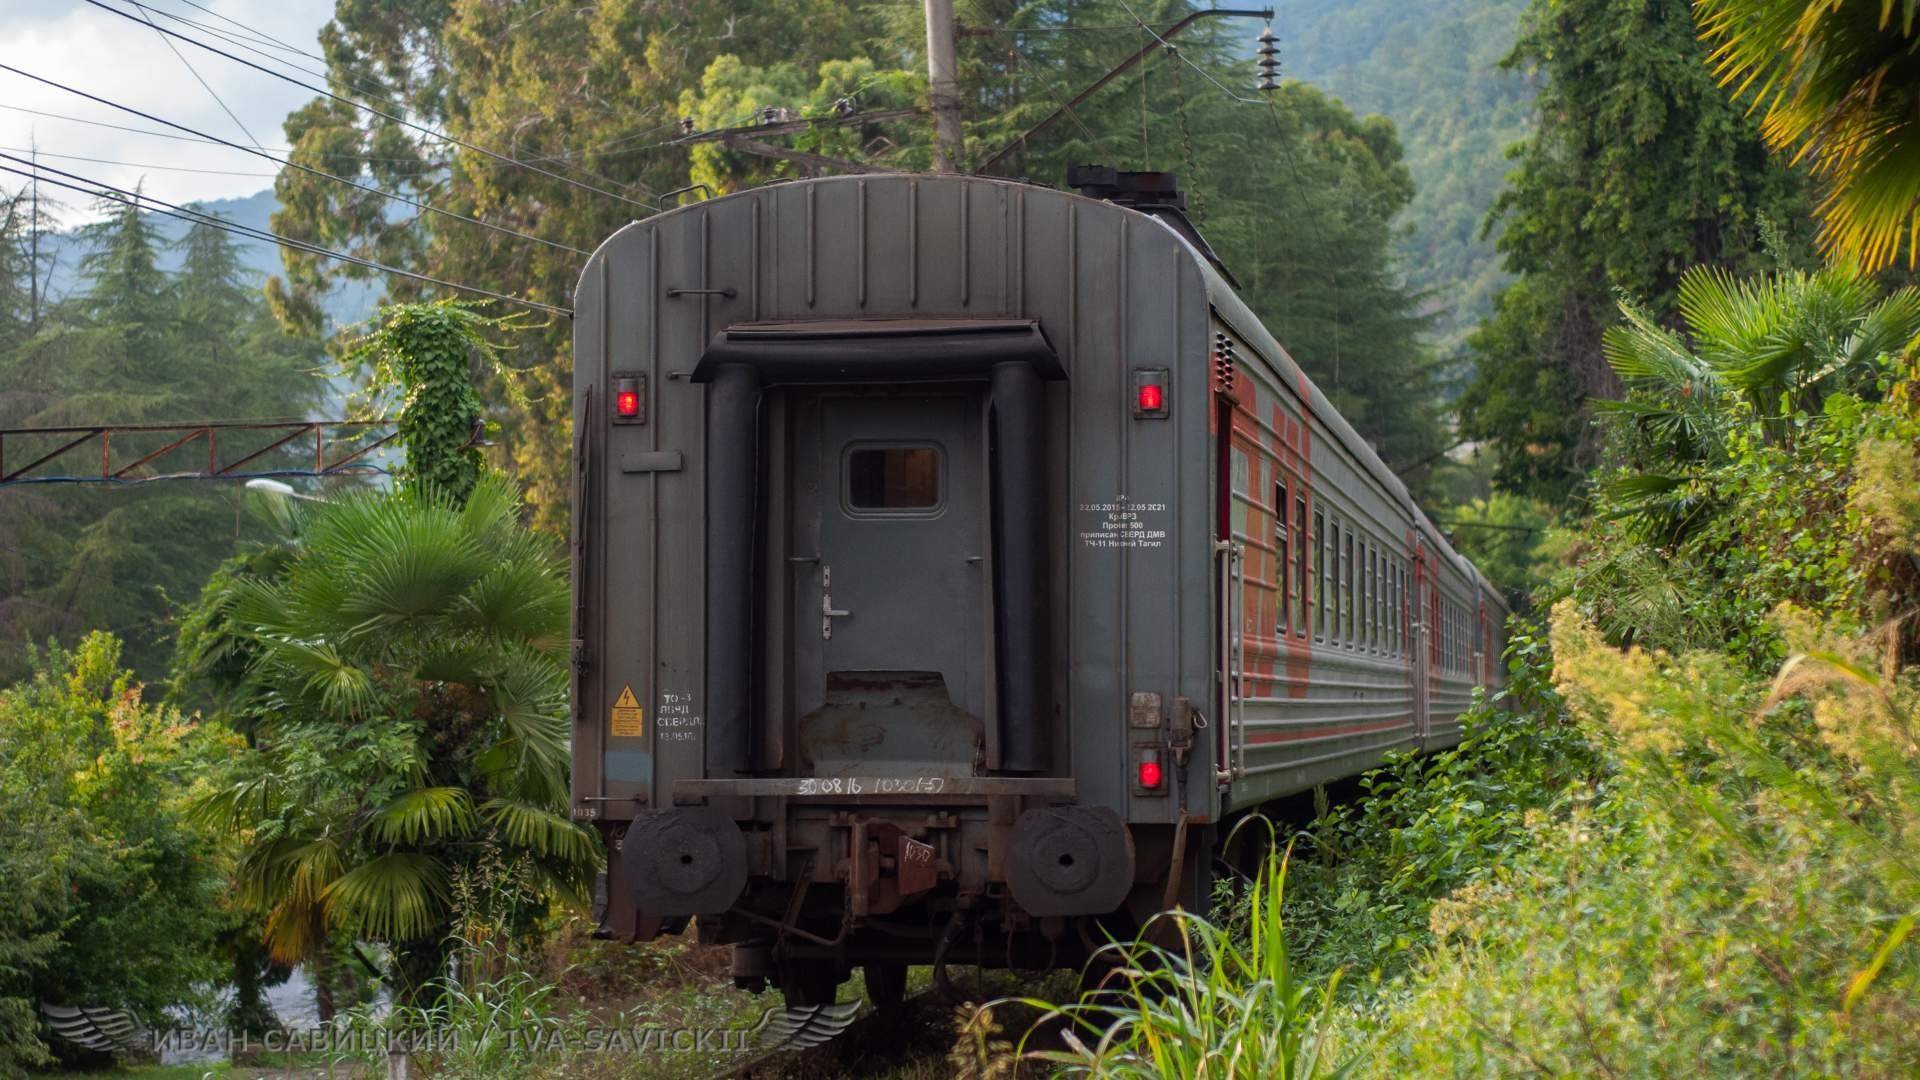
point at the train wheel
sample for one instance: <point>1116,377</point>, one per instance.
<point>886,984</point>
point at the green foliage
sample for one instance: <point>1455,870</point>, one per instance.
<point>1514,541</point>
<point>1639,168</point>
<point>407,687</point>
<point>429,353</point>
<point>1734,456</point>
<point>1735,902</point>
<point>113,896</point>
<point>1210,1003</point>
<point>1426,826</point>
<point>1838,87</point>
<point>138,345</point>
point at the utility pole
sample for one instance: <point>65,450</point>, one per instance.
<point>943,86</point>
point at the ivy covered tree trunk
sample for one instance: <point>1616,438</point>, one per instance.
<point>432,353</point>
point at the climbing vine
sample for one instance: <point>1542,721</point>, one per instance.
<point>430,354</point>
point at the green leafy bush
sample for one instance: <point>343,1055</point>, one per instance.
<point>1425,826</point>
<point>109,895</point>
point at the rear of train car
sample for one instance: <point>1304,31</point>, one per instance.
<point>953,557</point>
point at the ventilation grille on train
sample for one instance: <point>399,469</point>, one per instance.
<point>1224,376</point>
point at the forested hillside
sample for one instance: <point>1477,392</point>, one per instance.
<point>152,330</point>
<point>1434,68</point>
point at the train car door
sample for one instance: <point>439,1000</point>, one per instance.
<point>889,581</point>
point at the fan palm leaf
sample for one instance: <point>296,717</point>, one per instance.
<point>1838,84</point>
<point>424,815</point>
<point>398,896</point>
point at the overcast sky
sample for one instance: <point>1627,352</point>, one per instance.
<point>75,43</point>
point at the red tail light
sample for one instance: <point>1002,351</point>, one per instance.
<point>1150,775</point>
<point>629,400</point>
<point>1151,398</point>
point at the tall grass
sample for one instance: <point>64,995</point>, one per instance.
<point>1206,1004</point>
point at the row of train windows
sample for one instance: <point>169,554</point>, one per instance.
<point>1360,599</point>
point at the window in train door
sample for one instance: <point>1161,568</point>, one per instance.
<point>1400,612</point>
<point>1303,605</point>
<point>1283,559</point>
<point>1322,553</point>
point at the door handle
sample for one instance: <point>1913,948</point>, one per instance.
<point>828,612</point>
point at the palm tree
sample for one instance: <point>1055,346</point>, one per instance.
<point>1757,350</point>
<point>1839,83</point>
<point>410,690</point>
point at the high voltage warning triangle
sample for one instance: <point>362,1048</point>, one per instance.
<point>626,719</point>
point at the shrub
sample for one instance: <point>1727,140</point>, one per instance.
<point>1425,826</point>
<point>112,896</point>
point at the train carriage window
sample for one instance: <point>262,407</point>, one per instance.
<point>1373,599</point>
<point>1373,590</point>
<point>1379,601</point>
<point>893,479</point>
<point>1324,553</point>
<point>1364,619</point>
<point>1347,595</point>
<point>1335,634</point>
<point>1283,559</point>
<point>1300,575</point>
<point>1393,610</point>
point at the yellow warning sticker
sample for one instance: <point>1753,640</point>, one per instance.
<point>628,718</point>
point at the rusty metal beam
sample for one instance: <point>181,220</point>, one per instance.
<point>43,459</point>
<point>286,430</point>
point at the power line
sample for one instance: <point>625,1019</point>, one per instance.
<point>257,36</point>
<point>290,163</point>
<point>384,115</point>
<point>138,202</point>
<point>134,164</point>
<point>204,85</point>
<point>1204,73</point>
<point>193,139</point>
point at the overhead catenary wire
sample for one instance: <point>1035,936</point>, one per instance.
<point>132,164</point>
<point>1175,50</point>
<point>483,151</point>
<point>290,163</point>
<point>204,84</point>
<point>260,37</point>
<point>86,186</point>
<point>194,139</point>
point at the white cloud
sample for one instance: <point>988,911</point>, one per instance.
<point>78,44</point>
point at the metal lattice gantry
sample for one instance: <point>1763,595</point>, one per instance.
<point>233,450</point>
